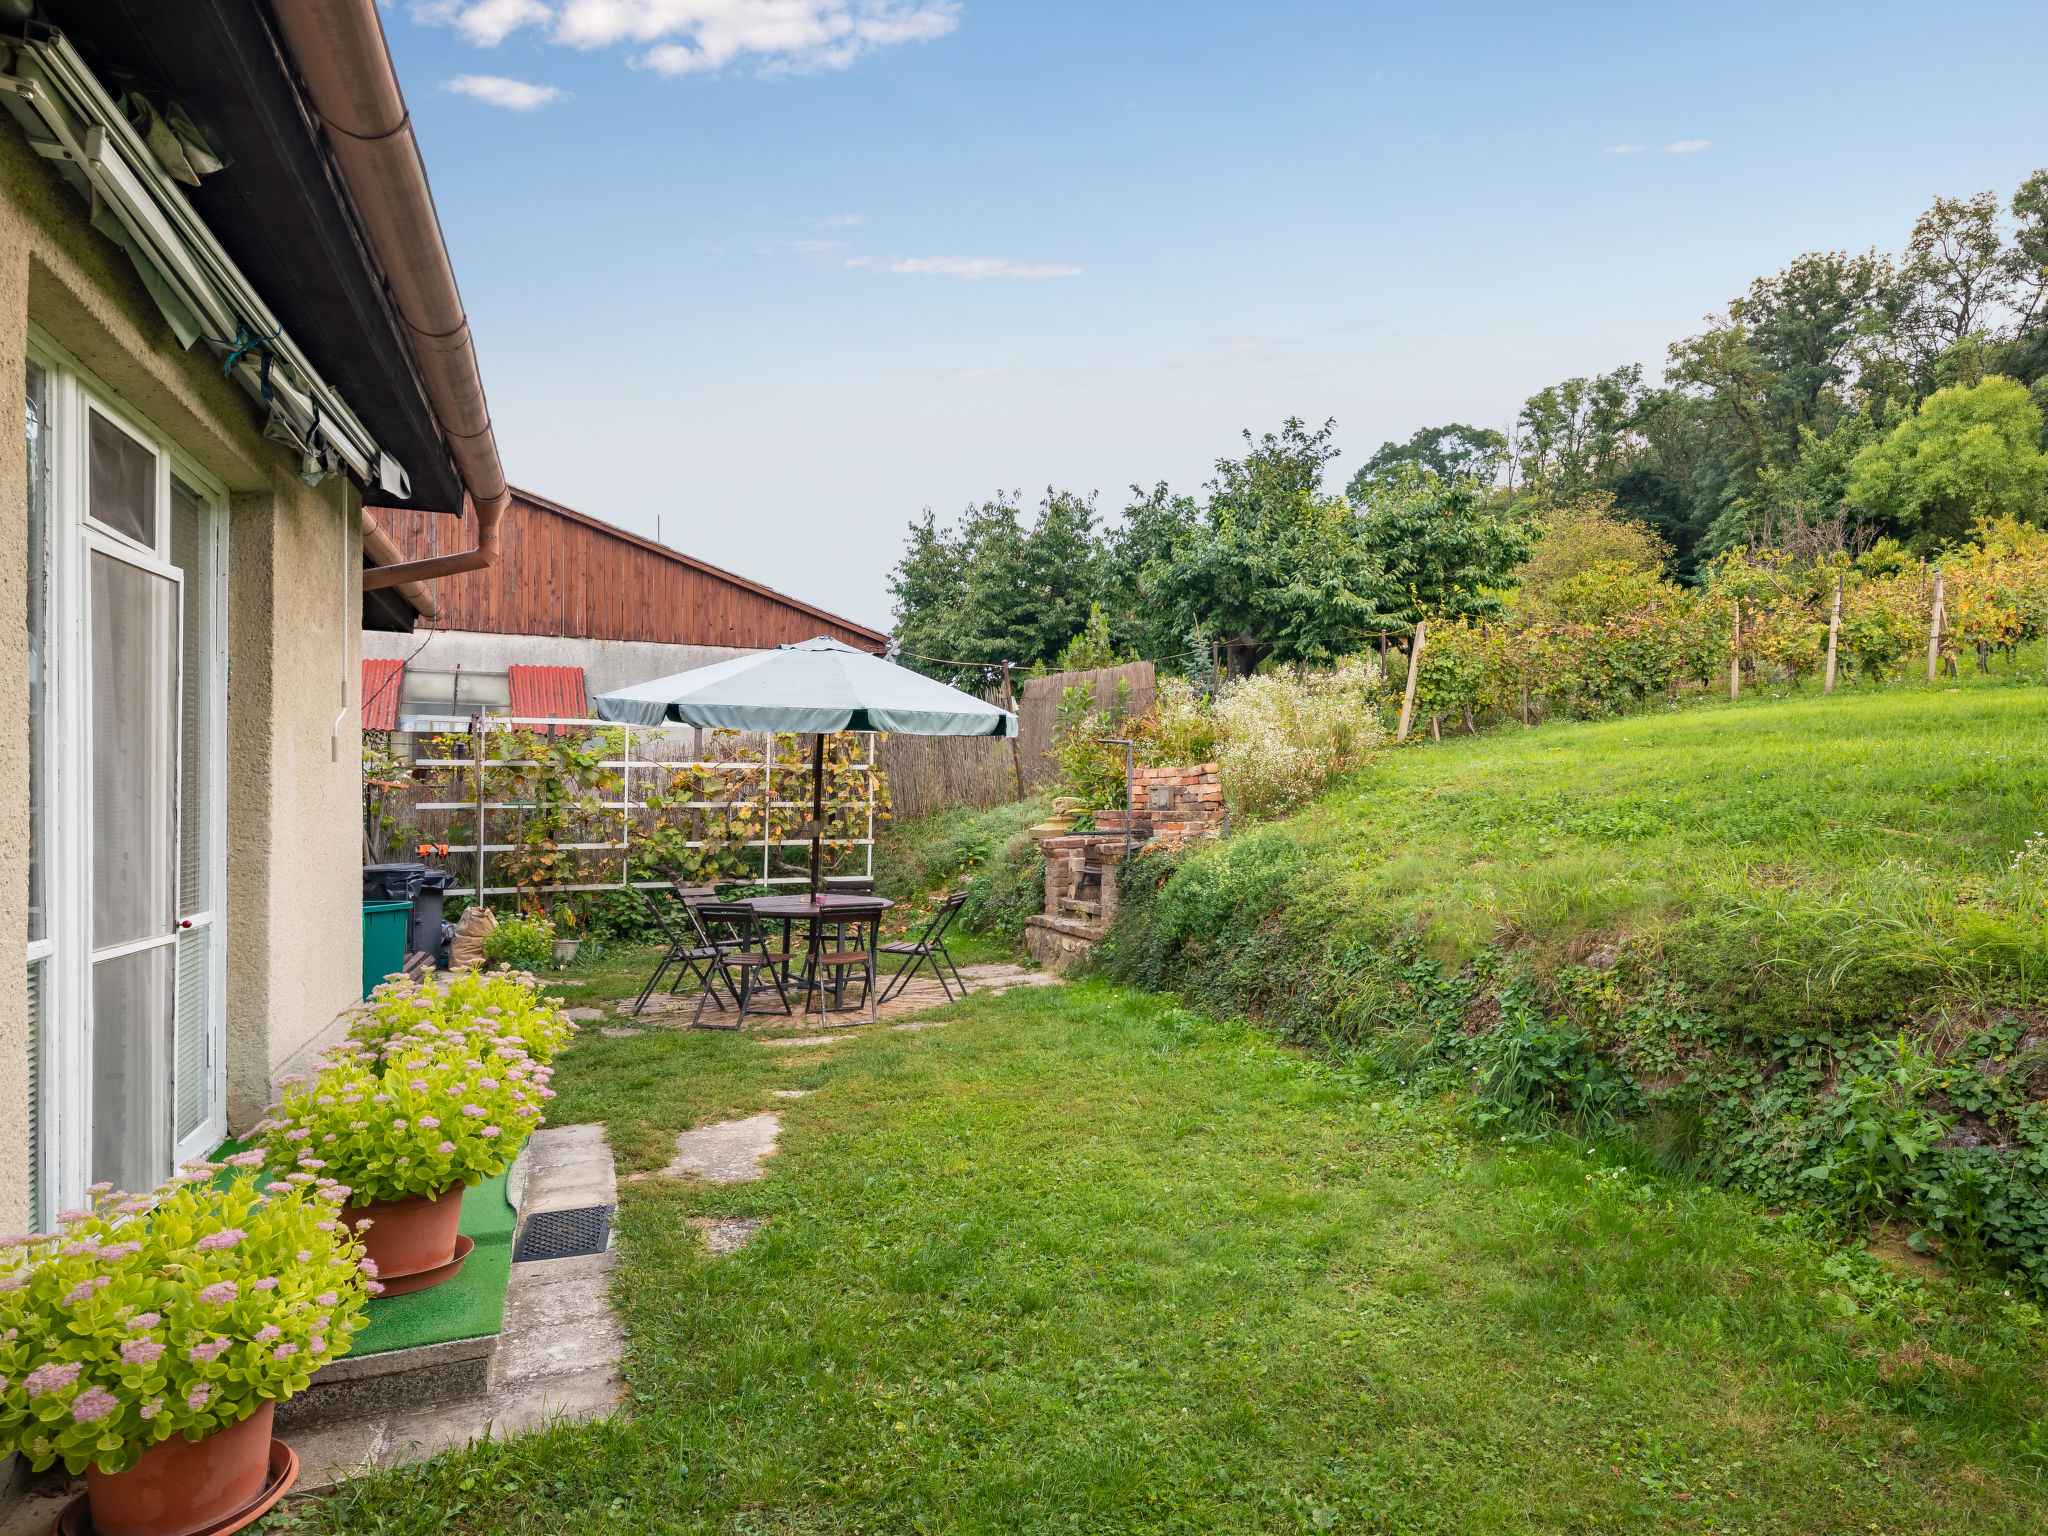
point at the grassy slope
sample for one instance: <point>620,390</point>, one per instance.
<point>1083,1261</point>
<point>1878,825</point>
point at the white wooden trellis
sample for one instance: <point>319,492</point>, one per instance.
<point>480,727</point>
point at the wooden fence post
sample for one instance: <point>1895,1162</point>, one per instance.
<point>1934,620</point>
<point>1016,748</point>
<point>1414,661</point>
<point>1735,659</point>
<point>1834,634</point>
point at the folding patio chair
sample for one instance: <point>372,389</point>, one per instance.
<point>690,951</point>
<point>930,946</point>
<point>855,923</point>
<point>732,930</point>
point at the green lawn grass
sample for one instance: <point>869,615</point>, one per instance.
<point>1084,1261</point>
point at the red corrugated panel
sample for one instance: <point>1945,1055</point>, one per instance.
<point>380,693</point>
<point>547,692</point>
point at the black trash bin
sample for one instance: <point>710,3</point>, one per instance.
<point>424,936</point>
<point>392,882</point>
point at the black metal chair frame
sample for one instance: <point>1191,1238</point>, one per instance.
<point>737,951</point>
<point>930,946</point>
<point>834,963</point>
<point>694,956</point>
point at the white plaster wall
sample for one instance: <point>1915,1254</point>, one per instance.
<point>293,928</point>
<point>606,664</point>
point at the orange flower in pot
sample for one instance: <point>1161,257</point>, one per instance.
<point>407,1126</point>
<point>148,1342</point>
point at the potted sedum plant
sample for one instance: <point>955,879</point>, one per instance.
<point>408,1123</point>
<point>481,1005</point>
<point>148,1341</point>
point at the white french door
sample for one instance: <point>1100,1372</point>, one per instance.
<point>127,722</point>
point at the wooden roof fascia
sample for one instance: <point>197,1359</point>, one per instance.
<point>612,530</point>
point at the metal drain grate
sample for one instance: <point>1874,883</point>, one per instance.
<point>564,1234</point>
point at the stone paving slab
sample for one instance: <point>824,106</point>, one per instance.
<point>727,1234</point>
<point>727,1153</point>
<point>557,1358</point>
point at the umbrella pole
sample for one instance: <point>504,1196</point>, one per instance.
<point>817,807</point>
<point>817,844</point>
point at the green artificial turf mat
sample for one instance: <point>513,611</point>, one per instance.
<point>471,1304</point>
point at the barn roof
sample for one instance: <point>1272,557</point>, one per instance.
<point>564,572</point>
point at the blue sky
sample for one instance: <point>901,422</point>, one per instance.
<point>786,272</point>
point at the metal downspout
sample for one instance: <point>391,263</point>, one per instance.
<point>339,48</point>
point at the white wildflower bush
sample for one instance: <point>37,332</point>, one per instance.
<point>1285,735</point>
<point>176,1312</point>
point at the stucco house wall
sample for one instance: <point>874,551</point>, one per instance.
<point>293,929</point>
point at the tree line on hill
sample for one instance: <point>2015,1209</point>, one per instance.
<point>1847,401</point>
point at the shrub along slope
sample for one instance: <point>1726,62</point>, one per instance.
<point>1796,942</point>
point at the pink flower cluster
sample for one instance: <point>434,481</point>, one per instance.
<point>141,1351</point>
<point>54,1377</point>
<point>227,1237</point>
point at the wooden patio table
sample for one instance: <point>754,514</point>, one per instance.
<point>814,912</point>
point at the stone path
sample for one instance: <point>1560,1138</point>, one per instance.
<point>556,1360</point>
<point>727,1234</point>
<point>729,1153</point>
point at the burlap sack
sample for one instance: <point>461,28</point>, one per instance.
<point>466,949</point>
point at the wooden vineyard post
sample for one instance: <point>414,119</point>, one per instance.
<point>1934,621</point>
<point>1834,635</point>
<point>1735,659</point>
<point>1414,661</point>
<point>1525,701</point>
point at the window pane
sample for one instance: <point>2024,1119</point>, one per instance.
<point>123,482</point>
<point>38,635</point>
<point>426,693</point>
<point>194,1028</point>
<point>486,692</point>
<point>131,1021</point>
<point>134,737</point>
<point>192,552</point>
<point>37,970</point>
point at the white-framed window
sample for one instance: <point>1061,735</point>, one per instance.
<point>128,733</point>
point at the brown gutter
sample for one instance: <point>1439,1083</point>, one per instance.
<point>378,546</point>
<point>339,48</point>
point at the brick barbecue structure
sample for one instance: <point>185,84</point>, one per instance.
<point>1170,808</point>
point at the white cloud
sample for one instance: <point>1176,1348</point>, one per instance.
<point>1688,146</point>
<point>498,91</point>
<point>969,267</point>
<point>812,247</point>
<point>486,23</point>
<point>1622,149</point>
<point>680,37</point>
<point>842,221</point>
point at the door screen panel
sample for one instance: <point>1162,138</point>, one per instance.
<point>134,739</point>
<point>131,1023</point>
<point>133,675</point>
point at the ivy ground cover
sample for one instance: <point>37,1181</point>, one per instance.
<point>1084,1260</point>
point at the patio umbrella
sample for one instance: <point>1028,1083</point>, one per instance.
<point>815,687</point>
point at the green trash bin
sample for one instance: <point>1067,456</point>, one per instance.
<point>384,925</point>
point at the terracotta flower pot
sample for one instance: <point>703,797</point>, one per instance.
<point>409,1236</point>
<point>180,1486</point>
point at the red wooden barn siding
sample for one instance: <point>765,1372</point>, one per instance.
<point>560,572</point>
